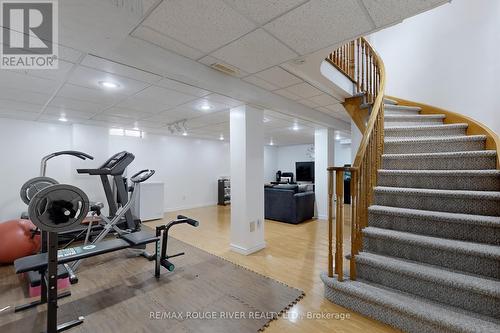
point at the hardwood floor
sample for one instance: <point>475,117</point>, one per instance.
<point>295,255</point>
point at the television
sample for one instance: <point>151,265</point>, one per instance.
<point>304,171</point>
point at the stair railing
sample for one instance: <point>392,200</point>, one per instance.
<point>361,64</point>
<point>359,61</point>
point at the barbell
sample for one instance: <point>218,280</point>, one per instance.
<point>58,208</point>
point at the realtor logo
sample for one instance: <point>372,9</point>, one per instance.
<point>29,34</point>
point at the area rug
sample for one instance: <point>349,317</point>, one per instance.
<point>118,292</point>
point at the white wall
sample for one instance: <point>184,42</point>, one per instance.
<point>342,154</point>
<point>288,155</point>
<point>284,157</point>
<point>447,57</point>
<point>270,163</point>
<point>189,167</point>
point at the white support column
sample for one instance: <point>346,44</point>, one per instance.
<point>324,143</point>
<point>247,179</point>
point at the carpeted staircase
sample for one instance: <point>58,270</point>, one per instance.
<point>431,252</point>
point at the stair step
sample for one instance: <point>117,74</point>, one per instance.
<point>438,144</point>
<point>407,120</point>
<point>466,160</point>
<point>389,101</point>
<point>401,110</point>
<point>468,292</point>
<point>465,227</point>
<point>474,258</point>
<point>426,130</point>
<point>475,180</point>
<point>466,202</point>
<point>405,311</point>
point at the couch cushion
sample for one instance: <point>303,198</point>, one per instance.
<point>294,188</point>
<point>303,188</point>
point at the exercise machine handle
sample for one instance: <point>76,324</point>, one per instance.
<point>75,153</point>
<point>189,221</point>
<point>142,176</point>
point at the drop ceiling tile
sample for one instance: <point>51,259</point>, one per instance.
<point>201,24</point>
<point>14,106</point>
<point>174,115</point>
<point>127,113</point>
<point>278,123</point>
<point>98,96</point>
<point>304,90</point>
<point>221,99</point>
<point>58,74</point>
<point>260,83</point>
<point>20,80</point>
<point>391,11</point>
<point>335,107</point>
<point>14,94</point>
<point>254,52</point>
<point>112,119</point>
<point>182,87</point>
<point>67,112</point>
<point>323,99</point>
<point>167,43</point>
<point>308,103</point>
<point>69,54</point>
<point>75,104</point>
<point>210,119</point>
<point>164,96</point>
<point>324,110</point>
<point>112,67</point>
<point>90,78</point>
<point>143,105</point>
<point>318,24</point>
<point>21,115</point>
<point>279,77</point>
<point>287,94</point>
<point>262,11</point>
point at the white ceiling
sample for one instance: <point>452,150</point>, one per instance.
<point>254,37</point>
<point>143,99</point>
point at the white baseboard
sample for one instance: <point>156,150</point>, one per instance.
<point>246,251</point>
<point>322,217</point>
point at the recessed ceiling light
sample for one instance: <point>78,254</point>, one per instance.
<point>295,127</point>
<point>63,119</point>
<point>109,84</point>
<point>271,143</point>
<point>266,120</point>
<point>184,133</point>
<point>221,137</point>
<point>205,107</point>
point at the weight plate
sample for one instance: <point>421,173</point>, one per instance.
<point>59,208</point>
<point>33,186</point>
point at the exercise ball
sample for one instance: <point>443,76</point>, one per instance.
<point>17,241</point>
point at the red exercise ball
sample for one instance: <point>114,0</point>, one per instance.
<point>16,240</point>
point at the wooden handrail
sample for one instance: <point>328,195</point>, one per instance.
<point>365,68</point>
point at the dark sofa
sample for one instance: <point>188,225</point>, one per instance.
<point>285,203</point>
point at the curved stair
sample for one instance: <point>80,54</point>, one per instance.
<point>431,252</point>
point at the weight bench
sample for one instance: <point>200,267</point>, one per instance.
<point>54,259</point>
<point>38,262</point>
